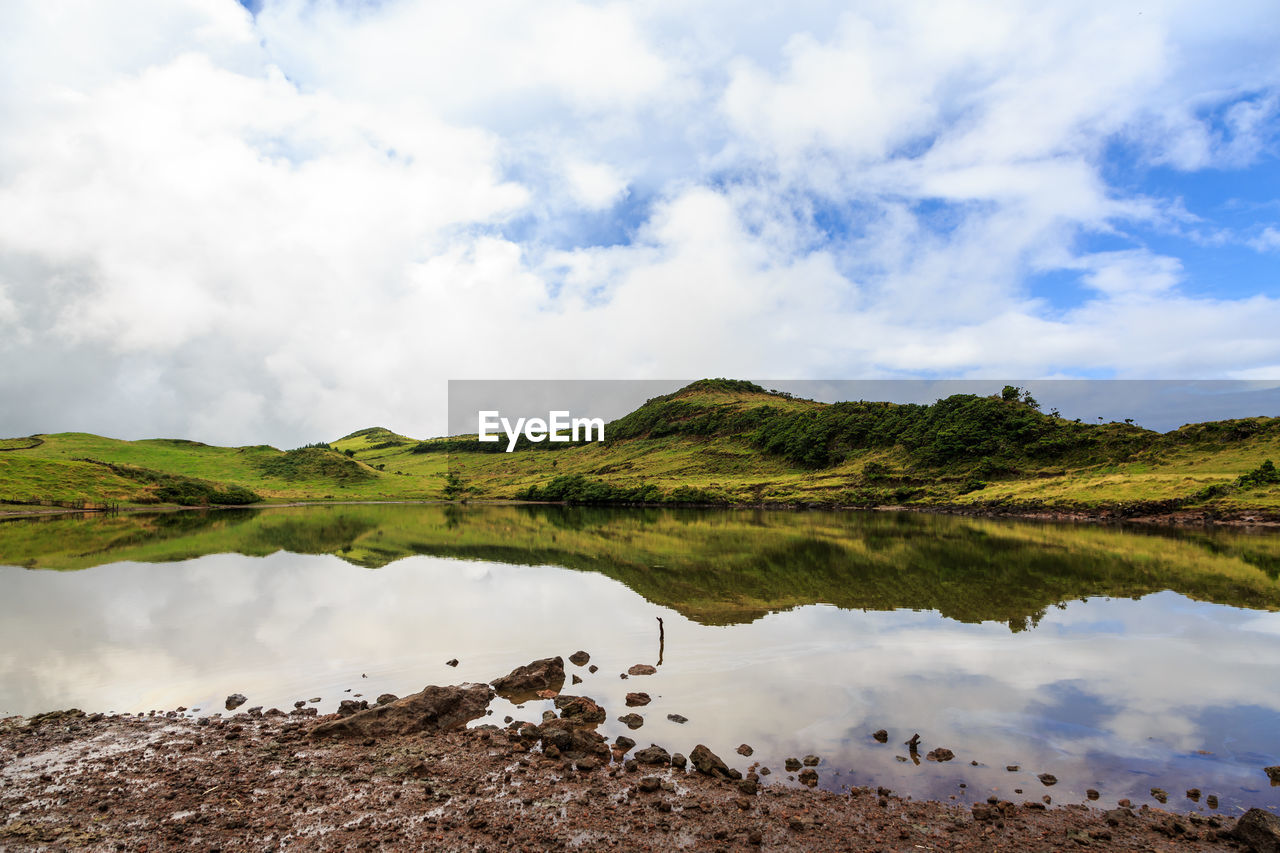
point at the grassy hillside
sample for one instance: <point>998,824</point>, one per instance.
<point>715,441</point>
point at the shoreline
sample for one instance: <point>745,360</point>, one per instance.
<point>268,781</point>
<point>1144,514</point>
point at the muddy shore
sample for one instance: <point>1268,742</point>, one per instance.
<point>269,782</point>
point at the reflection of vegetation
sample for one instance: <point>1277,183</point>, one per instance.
<point>717,567</point>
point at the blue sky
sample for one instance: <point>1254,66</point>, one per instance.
<point>282,220</point>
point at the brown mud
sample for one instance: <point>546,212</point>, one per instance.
<point>70,781</point>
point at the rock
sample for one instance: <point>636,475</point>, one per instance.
<point>1160,794</point>
<point>235,700</point>
<point>1211,801</point>
<point>299,703</point>
<point>748,786</point>
<point>315,700</point>
<point>573,740</point>
<point>642,669</point>
<point>586,763</point>
<point>1012,768</point>
<point>812,761</point>
<point>755,837</point>
<point>792,764</point>
<point>678,718</point>
<point>453,662</point>
<point>1258,830</point>
<point>580,709</point>
<point>637,700</point>
<point>650,784</point>
<point>579,658</point>
<point>577,679</point>
<point>708,763</point>
<point>624,742</point>
<point>387,698</point>
<point>940,754</point>
<point>548,715</point>
<point>523,683</point>
<point>679,761</point>
<point>593,668</point>
<point>435,709</point>
<point>742,803</point>
<point>632,721</point>
<point>303,712</point>
<point>347,707</point>
<point>1273,773</point>
<point>1092,794</point>
<point>653,754</point>
<point>1047,779</point>
<point>809,776</point>
<point>882,736</point>
<point>1193,794</point>
<point>984,813</point>
<point>746,750</point>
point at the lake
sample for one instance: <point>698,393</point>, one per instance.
<point>1114,658</point>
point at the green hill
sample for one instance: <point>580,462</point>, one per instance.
<point>714,441</point>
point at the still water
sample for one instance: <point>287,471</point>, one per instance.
<point>1115,659</point>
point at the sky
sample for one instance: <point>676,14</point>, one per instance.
<point>286,220</point>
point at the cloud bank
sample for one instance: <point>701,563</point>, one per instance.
<point>286,224</point>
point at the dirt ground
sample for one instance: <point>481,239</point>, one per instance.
<point>70,781</point>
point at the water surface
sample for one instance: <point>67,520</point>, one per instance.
<point>1116,659</point>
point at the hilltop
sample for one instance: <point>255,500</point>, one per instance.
<point>715,442</point>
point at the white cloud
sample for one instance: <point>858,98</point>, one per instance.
<point>285,227</point>
<point>1268,240</point>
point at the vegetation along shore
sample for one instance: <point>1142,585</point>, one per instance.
<point>714,442</point>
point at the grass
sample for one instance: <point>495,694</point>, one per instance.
<point>714,442</point>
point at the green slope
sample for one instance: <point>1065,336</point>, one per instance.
<point>715,441</point>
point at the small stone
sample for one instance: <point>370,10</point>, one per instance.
<point>708,763</point>
<point>1273,773</point>
<point>755,837</point>
<point>1211,801</point>
<point>677,718</point>
<point>742,803</point>
<point>577,679</point>
<point>235,700</point>
<point>1125,803</point>
<point>593,668</point>
<point>637,700</point>
<point>812,761</point>
<point>387,698</point>
<point>792,764</point>
<point>765,771</point>
<point>940,754</point>
<point>1012,768</point>
<point>624,742</point>
<point>679,761</point>
<point>299,703</point>
<point>632,721</point>
<point>453,662</point>
<point>748,786</point>
<point>586,764</point>
<point>1092,794</point>
<point>882,736</point>
<point>642,669</point>
<point>1047,779</point>
<point>809,776</point>
<point>745,749</point>
<point>1160,794</point>
<point>315,701</point>
<point>652,754</point>
<point>580,658</point>
<point>1193,794</point>
<point>650,784</point>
